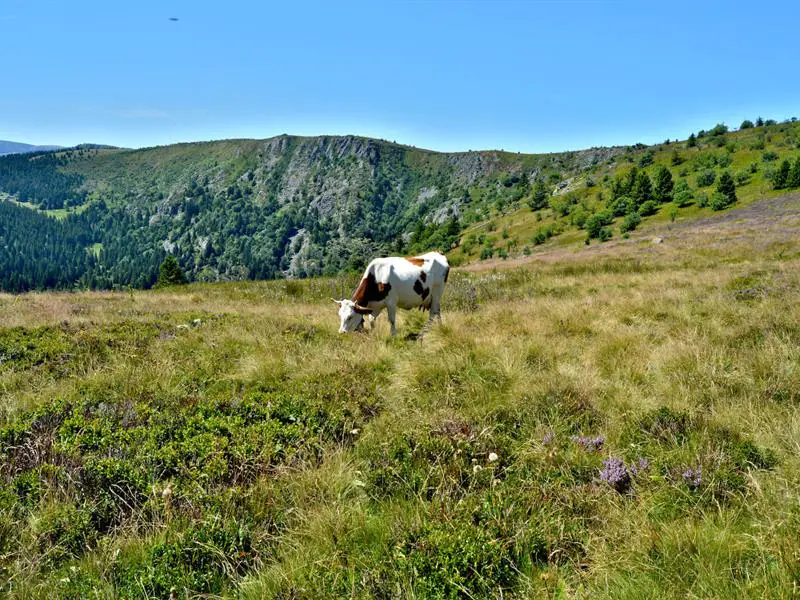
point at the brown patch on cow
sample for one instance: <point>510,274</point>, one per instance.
<point>423,276</point>
<point>369,290</point>
<point>417,262</point>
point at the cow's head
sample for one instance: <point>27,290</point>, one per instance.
<point>351,315</point>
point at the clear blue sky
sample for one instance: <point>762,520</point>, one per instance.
<point>450,75</point>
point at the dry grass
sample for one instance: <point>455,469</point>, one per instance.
<point>706,325</point>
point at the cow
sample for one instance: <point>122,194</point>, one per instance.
<point>395,282</point>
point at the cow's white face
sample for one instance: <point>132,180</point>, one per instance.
<point>350,319</point>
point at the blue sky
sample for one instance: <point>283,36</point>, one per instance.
<point>530,76</point>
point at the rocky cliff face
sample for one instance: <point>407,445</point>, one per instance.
<point>286,206</point>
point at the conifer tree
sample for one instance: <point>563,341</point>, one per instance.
<point>781,176</point>
<point>727,187</point>
<point>662,191</point>
<point>170,272</point>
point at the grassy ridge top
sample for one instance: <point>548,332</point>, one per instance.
<point>589,425</point>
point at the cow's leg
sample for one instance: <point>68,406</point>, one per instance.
<point>391,313</point>
<point>372,317</point>
<point>436,301</point>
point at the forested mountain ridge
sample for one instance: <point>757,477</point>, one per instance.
<point>9,147</point>
<point>235,209</point>
<point>301,206</point>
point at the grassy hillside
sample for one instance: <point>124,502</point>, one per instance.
<point>297,207</point>
<point>617,423</point>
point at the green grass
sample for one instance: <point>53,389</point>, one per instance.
<point>224,440</point>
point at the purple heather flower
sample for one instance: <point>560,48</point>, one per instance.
<point>588,443</point>
<point>693,477</point>
<point>548,438</point>
<point>616,474</point>
<point>642,465</point>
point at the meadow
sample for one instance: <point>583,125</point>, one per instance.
<point>616,421</point>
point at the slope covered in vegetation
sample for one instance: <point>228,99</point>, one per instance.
<point>610,424</point>
<point>298,207</point>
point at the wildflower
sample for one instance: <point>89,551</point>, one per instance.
<point>693,477</point>
<point>476,468</point>
<point>616,474</point>
<point>548,438</point>
<point>588,443</point>
<point>642,465</point>
<point>493,457</point>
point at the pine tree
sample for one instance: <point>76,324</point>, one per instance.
<point>692,141</point>
<point>781,176</point>
<point>170,272</point>
<point>727,187</point>
<point>643,189</point>
<point>662,191</point>
<point>793,180</point>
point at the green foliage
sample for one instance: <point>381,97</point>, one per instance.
<point>662,190</point>
<point>746,124</point>
<point>170,272</point>
<point>727,187</point>
<point>682,194</point>
<point>781,177</point>
<point>646,159</point>
<point>676,159</point>
<point>706,178</point>
<point>648,208</point>
<point>692,141</point>
<point>630,222</point>
<point>769,156</point>
<point>793,179</point>
<point>718,130</point>
<point>595,223</point>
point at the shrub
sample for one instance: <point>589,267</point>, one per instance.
<point>621,206</point>
<point>724,160</point>
<point>769,156</point>
<point>742,177</point>
<point>630,222</point>
<point>719,201</point>
<point>727,187</point>
<point>706,178</point>
<point>746,124</point>
<point>595,223</point>
<point>702,199</point>
<point>682,194</point>
<point>646,159</point>
<point>605,234</point>
<point>648,208</point>
<point>487,253</point>
<point>676,159</point>
<point>718,129</point>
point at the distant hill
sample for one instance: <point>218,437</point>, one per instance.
<point>293,206</point>
<point>7,147</point>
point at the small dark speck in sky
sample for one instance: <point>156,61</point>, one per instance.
<point>173,18</point>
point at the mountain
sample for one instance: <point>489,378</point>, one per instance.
<point>7,147</point>
<point>302,206</point>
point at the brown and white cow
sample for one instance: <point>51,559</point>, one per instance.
<point>396,282</point>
